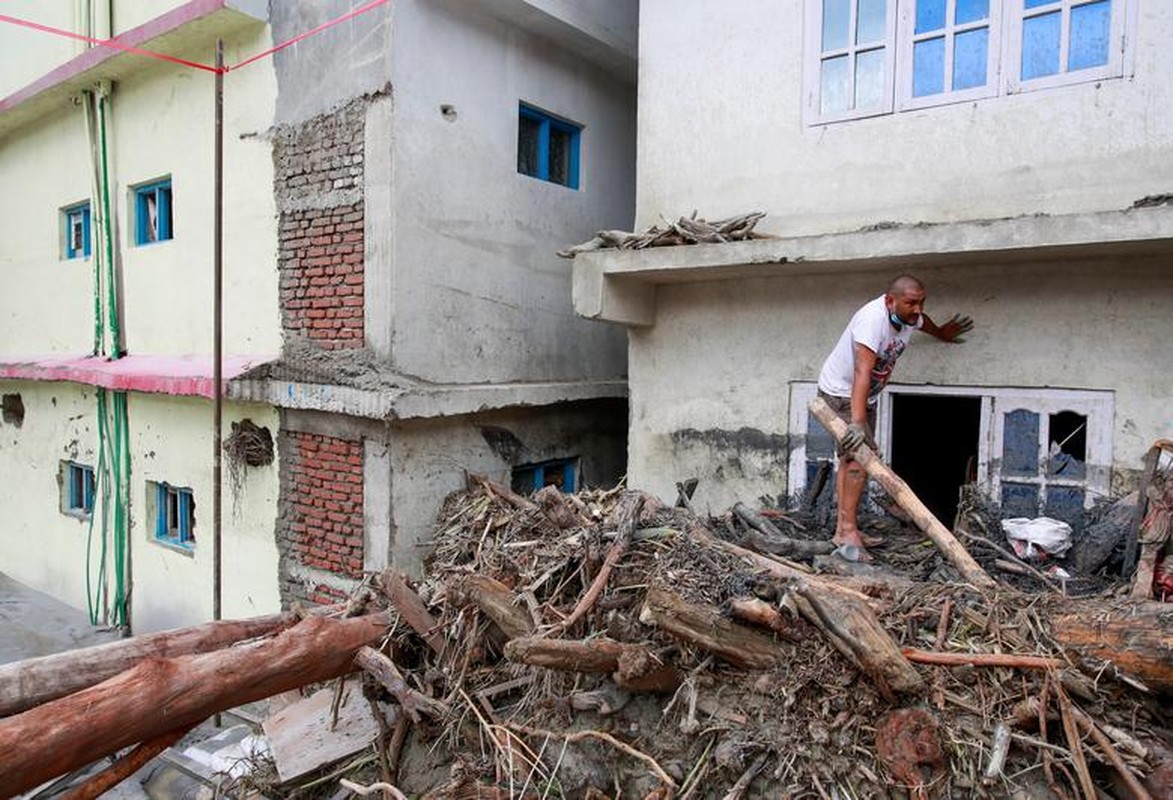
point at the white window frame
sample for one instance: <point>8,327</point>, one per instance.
<point>1004,64</point>
<point>1099,407</point>
<point>814,56</point>
<point>1015,18</point>
<point>907,37</point>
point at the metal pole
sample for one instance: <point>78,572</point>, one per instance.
<point>218,317</point>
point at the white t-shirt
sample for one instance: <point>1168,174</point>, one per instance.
<point>871,328</point>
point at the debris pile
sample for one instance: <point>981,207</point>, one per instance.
<point>602,644</point>
<point>685,230</point>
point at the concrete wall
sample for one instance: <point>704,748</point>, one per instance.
<point>726,135</point>
<point>169,439</point>
<point>160,125</point>
<point>27,54</point>
<point>710,387</point>
<point>408,469</point>
<point>477,294</point>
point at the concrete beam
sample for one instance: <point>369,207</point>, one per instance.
<point>618,285</point>
<point>604,32</point>
<point>419,402</point>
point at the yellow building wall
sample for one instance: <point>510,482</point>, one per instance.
<point>170,441</point>
<point>161,124</point>
<point>40,545</point>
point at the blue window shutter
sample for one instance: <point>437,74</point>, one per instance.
<point>572,177</point>
<point>141,221</point>
<point>72,478</point>
<point>88,489</point>
<point>184,502</point>
<point>544,150</point>
<point>163,206</point>
<point>568,478</point>
<point>85,234</point>
<point>161,511</point>
<point>539,477</point>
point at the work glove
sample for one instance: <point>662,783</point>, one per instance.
<point>857,434</point>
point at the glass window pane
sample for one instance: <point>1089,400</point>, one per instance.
<point>836,21</point>
<point>930,15</point>
<point>869,79</point>
<point>527,145</point>
<point>1065,503</point>
<point>969,58</point>
<point>833,96</point>
<point>819,442</point>
<point>1091,26</point>
<point>1020,443</point>
<point>1020,500</point>
<point>1037,3</point>
<point>1067,452</point>
<point>1040,45</point>
<point>559,156</point>
<point>928,67</point>
<point>873,21</point>
<point>971,11</point>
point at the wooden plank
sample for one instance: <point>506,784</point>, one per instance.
<point>302,737</point>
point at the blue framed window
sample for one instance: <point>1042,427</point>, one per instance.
<point>78,488</point>
<point>174,515</point>
<point>153,213</point>
<point>561,472</point>
<point>77,230</point>
<point>547,147</point>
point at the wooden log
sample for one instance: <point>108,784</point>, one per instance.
<point>383,669</point>
<point>1134,637</point>
<point>499,604</point>
<point>25,684</point>
<point>705,628</point>
<point>854,630</point>
<point>772,540</point>
<point>124,767</point>
<point>162,694</point>
<point>412,609</point>
<point>758,612</point>
<point>590,655</point>
<point>900,491</point>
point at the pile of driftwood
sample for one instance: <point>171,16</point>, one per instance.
<point>686,230</point>
<point>605,645</point>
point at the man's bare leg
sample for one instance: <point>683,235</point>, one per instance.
<point>849,486</point>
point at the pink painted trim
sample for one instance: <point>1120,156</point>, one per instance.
<point>95,56</point>
<point>174,375</point>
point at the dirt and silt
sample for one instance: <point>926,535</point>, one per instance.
<point>810,723</point>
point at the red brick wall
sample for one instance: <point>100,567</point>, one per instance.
<point>325,504</point>
<point>321,267</point>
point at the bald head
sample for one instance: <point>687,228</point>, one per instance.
<point>903,284</point>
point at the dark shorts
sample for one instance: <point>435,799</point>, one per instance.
<point>842,408</point>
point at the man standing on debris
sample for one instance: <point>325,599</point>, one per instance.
<point>857,371</point>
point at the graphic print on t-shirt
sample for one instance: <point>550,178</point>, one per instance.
<point>885,363</point>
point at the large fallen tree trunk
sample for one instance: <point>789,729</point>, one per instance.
<point>162,694</point>
<point>708,630</point>
<point>1135,637</point>
<point>900,491</point>
<point>25,684</point>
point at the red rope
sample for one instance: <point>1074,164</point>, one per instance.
<point>328,24</point>
<point>114,43</point>
<point>117,45</point>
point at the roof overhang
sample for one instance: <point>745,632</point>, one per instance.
<point>173,375</point>
<point>620,285</point>
<point>177,32</point>
<point>423,401</point>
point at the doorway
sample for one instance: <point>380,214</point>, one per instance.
<point>934,447</point>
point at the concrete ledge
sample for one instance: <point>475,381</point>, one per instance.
<point>419,402</point>
<point>174,375</point>
<point>171,32</point>
<point>618,285</point>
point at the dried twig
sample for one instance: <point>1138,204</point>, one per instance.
<point>1134,786</point>
<point>981,659</point>
<point>578,736</point>
<point>1072,733</point>
<point>365,791</point>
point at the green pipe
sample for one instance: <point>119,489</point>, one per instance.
<point>112,303</point>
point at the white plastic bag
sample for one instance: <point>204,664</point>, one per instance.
<point>1030,536</point>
